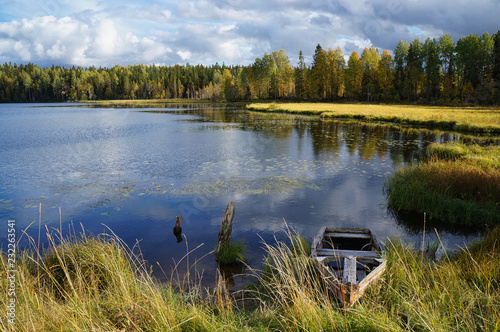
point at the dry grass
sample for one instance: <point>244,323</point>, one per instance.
<point>98,284</point>
<point>464,119</point>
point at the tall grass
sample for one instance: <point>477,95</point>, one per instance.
<point>457,192</point>
<point>98,284</point>
<point>460,293</point>
<point>457,183</point>
<point>469,120</point>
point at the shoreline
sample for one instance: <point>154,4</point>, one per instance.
<point>476,120</point>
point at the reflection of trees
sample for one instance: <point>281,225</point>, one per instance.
<point>404,145</point>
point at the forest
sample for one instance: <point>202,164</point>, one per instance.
<point>436,71</point>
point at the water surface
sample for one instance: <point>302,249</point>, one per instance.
<point>133,170</point>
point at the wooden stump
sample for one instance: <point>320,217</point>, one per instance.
<point>225,229</point>
<point>178,229</point>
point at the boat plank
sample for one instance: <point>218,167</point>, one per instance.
<point>345,253</point>
<point>349,274</point>
<point>349,235</point>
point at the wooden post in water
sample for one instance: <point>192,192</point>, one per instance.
<point>225,229</point>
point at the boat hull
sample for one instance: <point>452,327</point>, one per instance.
<point>349,260</point>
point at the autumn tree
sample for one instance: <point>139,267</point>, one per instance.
<point>354,77</point>
<point>334,76</point>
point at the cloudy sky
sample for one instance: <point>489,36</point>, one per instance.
<point>123,32</point>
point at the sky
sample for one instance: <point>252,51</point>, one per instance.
<point>235,32</point>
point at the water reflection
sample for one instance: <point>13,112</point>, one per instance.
<point>413,223</point>
<point>136,169</point>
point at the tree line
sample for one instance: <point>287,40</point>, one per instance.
<point>436,71</point>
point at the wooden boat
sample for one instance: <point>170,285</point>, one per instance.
<point>349,259</point>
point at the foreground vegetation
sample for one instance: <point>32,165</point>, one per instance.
<point>458,184</point>
<point>97,284</point>
<point>464,119</point>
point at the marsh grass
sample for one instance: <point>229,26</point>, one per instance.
<point>458,184</point>
<point>97,283</point>
<point>85,283</point>
<point>488,156</point>
<point>457,192</point>
<point>465,119</point>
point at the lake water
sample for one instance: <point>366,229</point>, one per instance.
<point>133,170</point>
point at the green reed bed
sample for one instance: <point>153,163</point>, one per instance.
<point>463,188</point>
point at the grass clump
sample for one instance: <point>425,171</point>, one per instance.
<point>458,184</point>
<point>86,264</point>
<point>234,253</point>
<point>99,284</point>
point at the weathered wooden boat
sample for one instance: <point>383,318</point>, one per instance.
<point>349,259</point>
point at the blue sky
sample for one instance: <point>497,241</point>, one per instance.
<point>108,33</point>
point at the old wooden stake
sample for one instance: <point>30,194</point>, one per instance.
<point>225,229</point>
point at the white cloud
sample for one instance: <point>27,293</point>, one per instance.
<point>106,38</point>
<point>93,32</point>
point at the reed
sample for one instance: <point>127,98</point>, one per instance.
<point>456,192</point>
<point>460,293</point>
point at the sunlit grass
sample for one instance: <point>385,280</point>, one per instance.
<point>464,119</point>
<point>487,156</point>
<point>146,101</point>
<point>458,184</point>
<point>86,283</point>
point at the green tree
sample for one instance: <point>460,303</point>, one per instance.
<point>385,76</point>
<point>496,68</point>
<point>401,71</point>
<point>447,53</point>
<point>318,74</point>
<point>432,60</point>
<point>301,78</point>
<point>370,59</point>
<point>416,75</point>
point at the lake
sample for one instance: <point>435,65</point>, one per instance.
<point>131,171</point>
